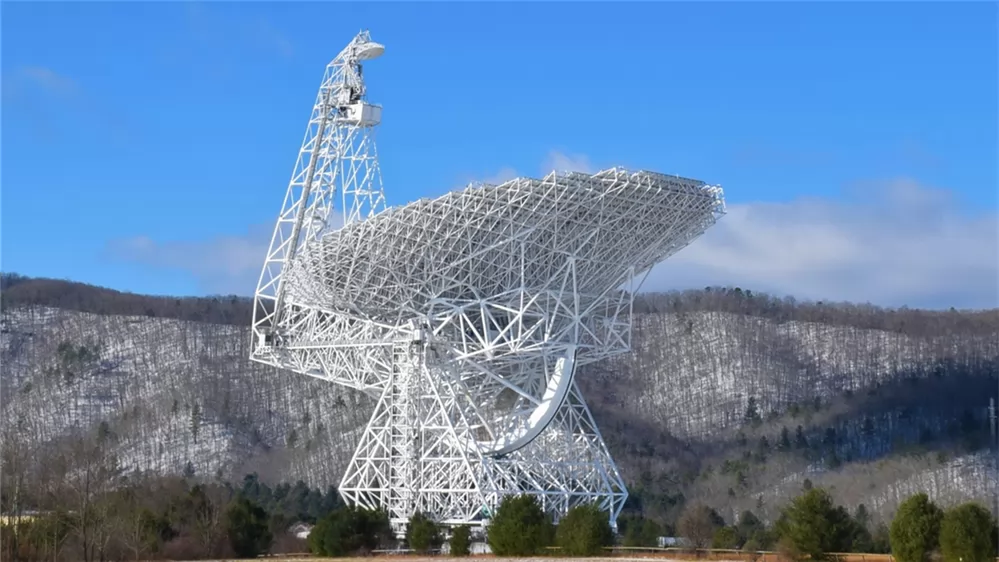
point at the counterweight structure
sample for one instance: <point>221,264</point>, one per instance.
<point>467,317</point>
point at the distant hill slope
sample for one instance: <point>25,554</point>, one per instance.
<point>707,406</point>
<point>17,291</point>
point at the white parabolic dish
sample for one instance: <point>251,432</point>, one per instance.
<point>484,241</point>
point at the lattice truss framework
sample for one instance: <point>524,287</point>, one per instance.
<point>467,317</point>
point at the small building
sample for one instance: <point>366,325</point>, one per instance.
<point>300,530</point>
<point>25,517</point>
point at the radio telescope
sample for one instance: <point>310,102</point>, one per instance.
<point>466,317</point>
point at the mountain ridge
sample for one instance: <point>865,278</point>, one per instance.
<point>696,411</point>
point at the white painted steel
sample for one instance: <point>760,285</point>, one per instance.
<point>465,316</point>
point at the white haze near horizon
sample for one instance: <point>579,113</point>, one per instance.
<point>901,244</point>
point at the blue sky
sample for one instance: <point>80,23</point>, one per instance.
<point>856,142</point>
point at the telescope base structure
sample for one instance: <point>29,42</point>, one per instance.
<point>418,454</point>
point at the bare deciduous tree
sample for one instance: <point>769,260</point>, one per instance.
<point>93,475</point>
<point>697,524</point>
<point>16,455</point>
<point>208,504</point>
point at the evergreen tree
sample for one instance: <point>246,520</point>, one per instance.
<point>247,528</point>
<point>868,428</point>
<point>784,444</point>
<point>800,441</point>
<point>519,527</point>
<point>329,502</point>
<point>749,526</point>
<point>103,432</point>
<point>641,532</point>
<point>584,531</point>
<point>762,448</point>
<point>829,438</point>
<point>863,540</point>
<point>861,516</point>
<point>350,530</point>
<point>195,421</point>
<point>966,534</point>
<point>422,534</point>
<point>752,416</point>
<point>461,541</point>
<point>815,527</point>
<point>915,530</point>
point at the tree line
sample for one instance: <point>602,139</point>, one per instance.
<point>80,505</point>
<point>76,502</point>
<point>810,527</point>
<point>19,290</point>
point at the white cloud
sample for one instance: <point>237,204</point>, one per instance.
<point>891,243</point>
<point>561,162</point>
<point>50,80</point>
<point>38,93</point>
<point>222,265</point>
<point>503,175</point>
<point>48,97</point>
<point>554,161</point>
<point>227,264</point>
<point>899,244</point>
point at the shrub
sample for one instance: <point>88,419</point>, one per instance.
<point>752,548</point>
<point>881,540</point>
<point>642,532</point>
<point>966,534</point>
<point>247,527</point>
<point>725,538</point>
<point>422,534</point>
<point>915,530</point>
<point>584,531</point>
<point>519,528</point>
<point>461,541</point>
<point>788,551</point>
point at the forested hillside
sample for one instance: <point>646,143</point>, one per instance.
<point>730,398</point>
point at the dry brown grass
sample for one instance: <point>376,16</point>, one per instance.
<point>620,556</point>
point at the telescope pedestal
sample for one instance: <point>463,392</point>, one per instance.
<point>418,454</point>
